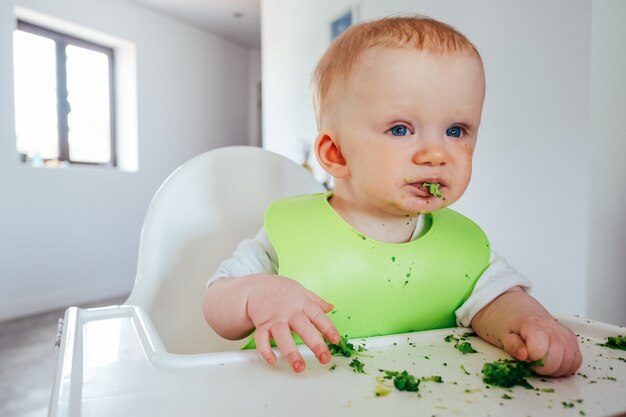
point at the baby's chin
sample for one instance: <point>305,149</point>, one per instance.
<point>421,205</point>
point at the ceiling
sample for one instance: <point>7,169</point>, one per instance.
<point>235,20</point>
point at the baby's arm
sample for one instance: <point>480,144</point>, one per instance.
<point>520,325</point>
<point>253,296</point>
<point>275,306</point>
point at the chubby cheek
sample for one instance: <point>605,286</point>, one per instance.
<point>463,175</point>
<point>468,151</point>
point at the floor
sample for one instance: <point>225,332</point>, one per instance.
<point>27,362</point>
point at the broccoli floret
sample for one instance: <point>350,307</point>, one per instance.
<point>508,372</point>
<point>465,347</point>
<point>433,188</point>
<point>343,348</point>
<point>357,366</point>
<point>615,342</point>
<point>403,381</point>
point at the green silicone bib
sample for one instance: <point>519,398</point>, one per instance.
<point>378,288</point>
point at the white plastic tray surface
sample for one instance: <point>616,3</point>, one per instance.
<point>111,363</point>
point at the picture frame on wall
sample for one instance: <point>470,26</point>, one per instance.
<point>344,21</point>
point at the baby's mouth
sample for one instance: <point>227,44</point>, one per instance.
<point>433,188</point>
<point>427,186</point>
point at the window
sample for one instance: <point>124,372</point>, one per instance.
<point>64,98</point>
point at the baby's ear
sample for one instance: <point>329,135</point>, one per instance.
<point>329,155</point>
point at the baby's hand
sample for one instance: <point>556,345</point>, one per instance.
<point>536,337</point>
<point>277,305</point>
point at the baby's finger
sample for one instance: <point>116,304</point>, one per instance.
<point>566,363</point>
<point>326,306</point>
<point>552,361</point>
<point>538,345</point>
<point>576,361</point>
<point>571,346</point>
<point>262,340</point>
<point>515,346</point>
<point>282,336</point>
<point>575,365</point>
<point>323,323</point>
<point>301,324</point>
<point>571,356</point>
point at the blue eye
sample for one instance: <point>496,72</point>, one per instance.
<point>399,130</point>
<point>454,132</point>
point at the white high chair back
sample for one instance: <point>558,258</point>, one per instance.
<point>195,220</point>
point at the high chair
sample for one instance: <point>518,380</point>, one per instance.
<point>155,356</point>
<point>195,220</point>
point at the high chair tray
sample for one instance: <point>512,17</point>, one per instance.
<point>112,363</point>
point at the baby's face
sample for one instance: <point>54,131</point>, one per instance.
<point>407,117</point>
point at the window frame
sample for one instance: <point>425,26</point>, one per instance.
<point>62,40</point>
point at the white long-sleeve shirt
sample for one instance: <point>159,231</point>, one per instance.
<point>257,255</point>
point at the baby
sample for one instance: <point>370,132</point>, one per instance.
<point>398,104</point>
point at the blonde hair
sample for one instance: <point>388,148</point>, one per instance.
<point>419,32</point>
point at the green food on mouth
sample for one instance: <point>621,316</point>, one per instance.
<point>433,188</point>
<point>615,342</point>
<point>506,373</point>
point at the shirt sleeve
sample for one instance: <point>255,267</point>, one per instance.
<point>498,278</point>
<point>252,256</point>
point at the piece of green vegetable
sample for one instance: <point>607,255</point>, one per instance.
<point>465,347</point>
<point>357,366</point>
<point>433,378</point>
<point>449,338</point>
<point>508,372</point>
<point>615,342</point>
<point>433,188</point>
<point>343,348</point>
<point>403,381</point>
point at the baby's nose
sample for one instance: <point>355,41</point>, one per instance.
<point>431,154</point>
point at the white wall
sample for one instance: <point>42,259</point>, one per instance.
<point>606,147</point>
<point>68,236</point>
<point>530,189</point>
<point>254,94</point>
